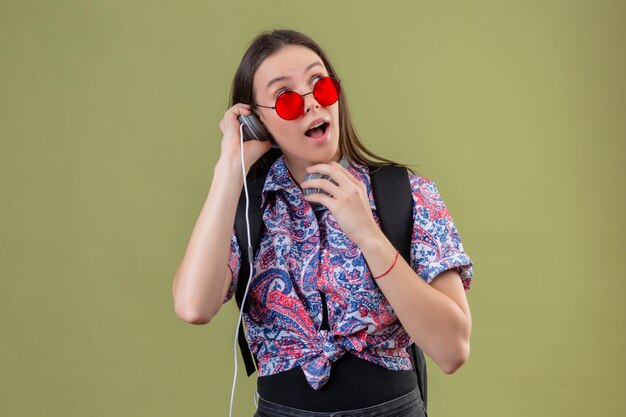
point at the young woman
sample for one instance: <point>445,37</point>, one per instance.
<point>332,304</point>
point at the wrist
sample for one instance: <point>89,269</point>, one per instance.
<point>395,260</point>
<point>378,253</point>
<point>229,165</point>
<point>374,243</point>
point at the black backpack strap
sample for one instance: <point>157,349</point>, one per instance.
<point>255,182</point>
<point>419,364</point>
<point>392,193</point>
<point>255,217</point>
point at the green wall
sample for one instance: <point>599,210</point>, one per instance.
<point>109,115</point>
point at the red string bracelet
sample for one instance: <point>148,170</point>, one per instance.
<point>394,262</point>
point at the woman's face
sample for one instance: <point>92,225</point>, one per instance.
<point>300,67</point>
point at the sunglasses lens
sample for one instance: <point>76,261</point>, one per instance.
<point>326,91</point>
<point>289,105</point>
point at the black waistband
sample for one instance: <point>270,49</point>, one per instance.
<point>353,383</point>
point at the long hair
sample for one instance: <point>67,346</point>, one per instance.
<point>270,42</point>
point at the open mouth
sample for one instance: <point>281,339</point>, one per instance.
<point>317,132</point>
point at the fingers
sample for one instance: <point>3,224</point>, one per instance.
<point>337,172</point>
<point>341,180</point>
<point>231,115</point>
<point>323,199</point>
<point>322,184</point>
<point>239,108</point>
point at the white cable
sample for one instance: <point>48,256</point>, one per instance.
<point>250,256</point>
<point>243,170</point>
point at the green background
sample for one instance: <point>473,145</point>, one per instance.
<point>109,134</point>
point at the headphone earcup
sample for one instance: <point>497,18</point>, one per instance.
<point>254,129</point>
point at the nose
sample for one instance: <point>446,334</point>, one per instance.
<point>310,102</point>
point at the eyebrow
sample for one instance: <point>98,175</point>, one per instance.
<point>275,80</point>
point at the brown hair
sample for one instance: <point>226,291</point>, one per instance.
<point>270,42</point>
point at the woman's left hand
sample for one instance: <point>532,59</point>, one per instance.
<point>349,203</point>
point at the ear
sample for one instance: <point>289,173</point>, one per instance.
<point>257,113</point>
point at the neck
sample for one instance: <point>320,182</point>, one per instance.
<point>297,167</point>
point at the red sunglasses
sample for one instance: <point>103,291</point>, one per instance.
<point>290,105</point>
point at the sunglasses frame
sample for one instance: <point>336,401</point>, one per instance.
<point>302,96</point>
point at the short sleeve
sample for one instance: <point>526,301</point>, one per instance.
<point>234,264</point>
<point>435,245</point>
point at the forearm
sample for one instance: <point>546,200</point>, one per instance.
<point>431,318</point>
<point>200,278</point>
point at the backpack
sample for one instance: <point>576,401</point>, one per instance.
<point>392,194</point>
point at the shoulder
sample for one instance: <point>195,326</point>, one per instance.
<point>420,182</point>
<point>424,190</point>
<point>428,204</point>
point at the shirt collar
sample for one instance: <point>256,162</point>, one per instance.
<point>279,178</point>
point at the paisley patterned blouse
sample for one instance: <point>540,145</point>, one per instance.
<point>303,253</point>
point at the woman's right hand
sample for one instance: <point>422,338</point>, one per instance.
<point>230,147</point>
